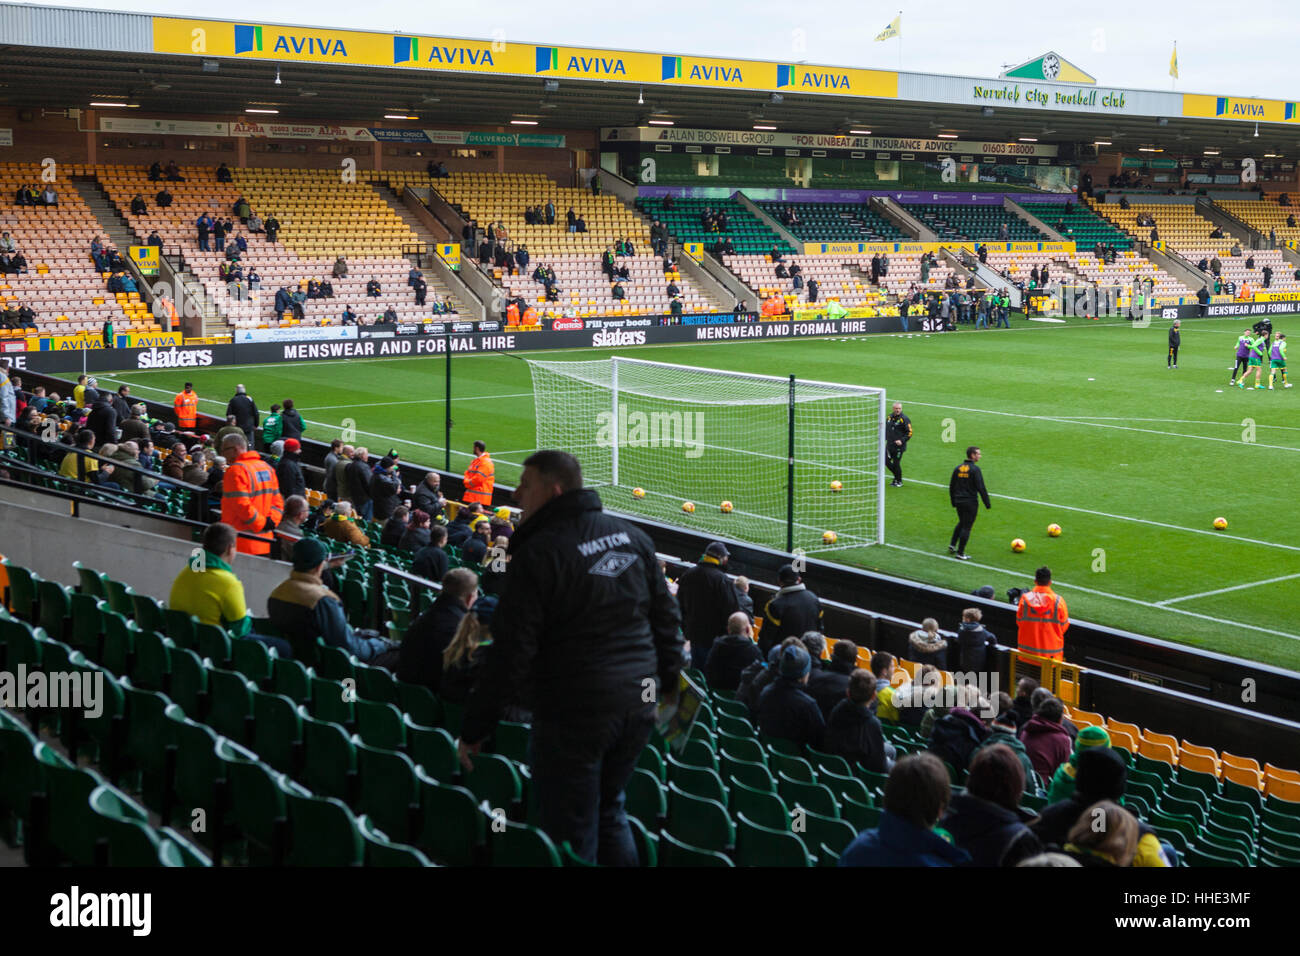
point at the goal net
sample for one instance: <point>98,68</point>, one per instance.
<point>657,436</point>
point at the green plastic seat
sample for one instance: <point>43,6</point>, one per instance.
<point>22,591</point>
<point>323,832</point>
<point>381,851</point>
<point>329,758</point>
<point>147,613</point>
<point>818,831</point>
<point>292,679</point>
<point>452,827</point>
<point>650,759</point>
<point>816,797</point>
<point>647,844</point>
<point>512,740</point>
<point>182,628</point>
<point>645,798</point>
<point>742,748</point>
<point>861,816</point>
<point>388,791</point>
<point>381,724</point>
<point>151,667</point>
<point>87,627</point>
<point>750,773</point>
<point>333,701</point>
<point>763,846</point>
<point>230,704</point>
<point>258,810</point>
<point>277,731</point>
<point>420,704</point>
<point>762,806</point>
<point>254,660</point>
<point>433,749</point>
<point>698,781</point>
<point>55,609</point>
<point>118,596</point>
<point>334,663</point>
<point>698,821</point>
<point>519,844</point>
<point>376,684</point>
<point>90,581</point>
<point>495,779</point>
<point>188,686</point>
<point>796,768</point>
<point>213,644</point>
<point>673,852</point>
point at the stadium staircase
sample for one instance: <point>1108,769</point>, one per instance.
<point>116,227</point>
<point>427,241</point>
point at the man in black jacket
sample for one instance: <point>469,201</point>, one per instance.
<point>976,647</point>
<point>829,683</point>
<point>246,416</point>
<point>358,476</point>
<point>1175,339</point>
<point>431,561</point>
<point>791,611</point>
<point>965,489</point>
<point>731,653</point>
<point>289,471</point>
<point>898,432</point>
<point>785,710</point>
<point>420,653</point>
<point>707,599</point>
<point>587,620</point>
<point>852,730</point>
<point>428,496</point>
<point>102,420</point>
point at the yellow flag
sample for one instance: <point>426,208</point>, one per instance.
<point>892,30</point>
<point>1173,62</point>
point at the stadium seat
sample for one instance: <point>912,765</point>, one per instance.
<point>380,851</point>
<point>519,844</point>
<point>699,821</point>
<point>762,846</point>
<point>673,852</point>
<point>388,791</point>
<point>322,831</point>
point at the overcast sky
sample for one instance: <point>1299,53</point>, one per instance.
<point>1225,48</point>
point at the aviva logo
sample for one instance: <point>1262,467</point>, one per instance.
<point>810,79</point>
<point>672,68</point>
<point>1290,112</point>
<point>407,50</point>
<point>548,58</point>
<point>1224,106</point>
<point>248,39</point>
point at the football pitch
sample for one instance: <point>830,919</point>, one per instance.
<point>1081,425</point>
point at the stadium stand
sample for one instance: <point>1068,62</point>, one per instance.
<point>847,278</point>
<point>61,284</point>
<point>973,222</point>
<point>575,256</point>
<point>1264,215</point>
<point>834,222</point>
<point>1080,225</point>
<point>746,232</point>
<point>320,218</point>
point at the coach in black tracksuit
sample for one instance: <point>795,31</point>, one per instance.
<point>898,430</point>
<point>587,622</point>
<point>965,489</point>
<point>1175,339</point>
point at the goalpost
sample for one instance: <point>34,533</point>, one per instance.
<point>772,447</point>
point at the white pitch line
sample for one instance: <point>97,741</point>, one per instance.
<point>1107,594</point>
<point>416,401</point>
<point>1169,421</point>
<point>1235,587</point>
<point>1104,514</point>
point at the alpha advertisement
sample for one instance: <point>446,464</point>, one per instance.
<point>735,137</point>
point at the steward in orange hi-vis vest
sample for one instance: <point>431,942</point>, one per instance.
<point>187,407</point>
<point>1042,619</point>
<point>251,502</point>
<point>480,477</point>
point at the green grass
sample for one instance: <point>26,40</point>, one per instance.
<point>1080,424</point>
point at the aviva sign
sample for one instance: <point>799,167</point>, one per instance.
<point>215,38</point>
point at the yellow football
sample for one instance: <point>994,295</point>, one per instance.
<point>688,507</point>
<point>1220,524</point>
<point>837,486</point>
<point>638,492</point>
<point>1018,545</point>
<point>1053,530</point>
<point>726,507</point>
<point>829,537</point>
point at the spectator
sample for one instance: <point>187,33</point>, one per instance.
<point>1003,731</point>
<point>289,471</point>
<point>395,527</point>
<point>208,588</point>
<point>417,534</point>
<point>244,410</point>
<point>219,236</point>
<point>76,466</point>
<point>592,718</point>
<point>852,730</point>
<point>927,645</point>
<point>958,733</point>
<point>1023,703</point>
<point>373,289</point>
<point>1104,835</point>
<point>102,419</point>
<point>829,683</point>
<point>341,526</point>
<point>135,428</point>
<point>296,510</point>
<point>1063,781</point>
<point>224,174</point>
<point>291,423</point>
<point>431,561</point>
<point>707,600</point>
<point>977,647</point>
<point>155,172</point>
<point>241,209</point>
<point>474,551</point>
<point>1102,775</point>
<point>1047,742</point>
<point>986,820</point>
<point>304,609</point>
<point>792,610</point>
<point>230,428</point>
<point>385,489</point>
<point>138,207</point>
<point>916,796</point>
<point>49,197</point>
<point>462,660</point>
<point>428,495</point>
<point>174,172</point>
<point>882,667</point>
<point>272,228</point>
<point>358,476</point>
<point>785,710</point>
<point>730,654</point>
